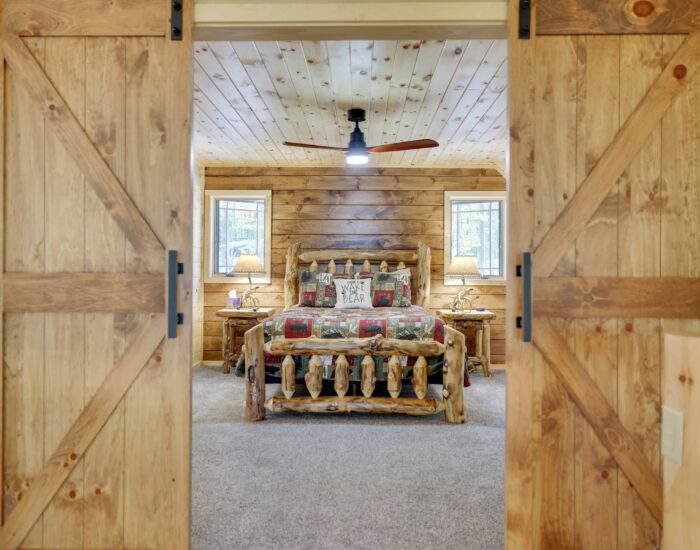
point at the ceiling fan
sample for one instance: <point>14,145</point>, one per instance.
<point>357,151</point>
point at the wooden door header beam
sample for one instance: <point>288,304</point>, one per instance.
<point>566,17</point>
<point>361,20</point>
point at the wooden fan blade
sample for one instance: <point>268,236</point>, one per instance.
<point>404,146</point>
<point>312,146</point>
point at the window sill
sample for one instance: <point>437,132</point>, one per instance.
<point>475,282</point>
<point>223,279</point>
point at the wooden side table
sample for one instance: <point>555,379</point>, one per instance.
<point>479,320</point>
<point>236,322</point>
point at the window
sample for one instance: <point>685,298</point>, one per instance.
<point>238,223</point>
<point>474,226</point>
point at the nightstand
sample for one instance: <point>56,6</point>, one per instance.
<point>236,322</point>
<point>480,321</point>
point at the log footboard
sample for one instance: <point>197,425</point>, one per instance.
<point>453,375</point>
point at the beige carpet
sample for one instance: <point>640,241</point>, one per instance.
<point>345,482</point>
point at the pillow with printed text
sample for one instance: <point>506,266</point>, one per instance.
<point>353,293</point>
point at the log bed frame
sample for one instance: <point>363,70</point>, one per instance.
<point>453,349</point>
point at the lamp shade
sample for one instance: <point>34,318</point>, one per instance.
<point>248,263</point>
<point>463,266</point>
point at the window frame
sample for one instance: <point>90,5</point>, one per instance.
<point>210,198</point>
<point>451,196</point>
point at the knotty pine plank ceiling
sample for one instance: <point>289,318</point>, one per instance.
<point>249,97</point>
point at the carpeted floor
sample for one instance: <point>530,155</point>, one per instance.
<point>345,482</point>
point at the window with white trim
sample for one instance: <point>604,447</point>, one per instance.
<point>475,226</point>
<point>238,222</point>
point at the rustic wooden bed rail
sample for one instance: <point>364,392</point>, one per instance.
<point>453,375</point>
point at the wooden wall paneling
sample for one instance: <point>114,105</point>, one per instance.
<point>642,60</point>
<point>555,142</point>
<point>105,332</point>
<point>2,294</point>
<point>598,119</point>
<point>521,452</point>
<point>23,403</point>
<point>64,342</point>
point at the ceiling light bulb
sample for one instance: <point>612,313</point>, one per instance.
<point>357,158</point>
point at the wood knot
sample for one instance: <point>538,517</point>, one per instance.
<point>73,456</point>
<point>643,8</point>
<point>98,491</point>
<point>682,378</point>
<point>605,474</point>
<point>158,358</point>
<point>679,71</point>
<point>65,465</point>
<point>71,493</point>
<point>52,107</point>
<point>629,327</point>
<point>598,329</point>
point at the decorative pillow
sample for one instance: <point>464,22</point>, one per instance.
<point>392,289</point>
<point>353,293</point>
<point>317,289</point>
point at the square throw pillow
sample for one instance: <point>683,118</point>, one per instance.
<point>392,289</point>
<point>317,289</point>
<point>353,293</point>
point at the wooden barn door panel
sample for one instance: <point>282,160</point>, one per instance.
<point>96,411</point>
<point>612,223</point>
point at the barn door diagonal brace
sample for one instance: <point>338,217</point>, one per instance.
<point>523,272</point>
<point>175,318</point>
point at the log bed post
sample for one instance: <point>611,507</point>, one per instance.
<point>423,276</point>
<point>291,276</point>
<point>452,392</point>
<point>255,374</point>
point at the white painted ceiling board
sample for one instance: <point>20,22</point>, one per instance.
<point>251,96</point>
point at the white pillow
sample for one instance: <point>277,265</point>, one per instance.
<point>353,293</point>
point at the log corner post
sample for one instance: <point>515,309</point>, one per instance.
<point>291,276</point>
<point>423,283</point>
<point>453,370</point>
<point>255,374</point>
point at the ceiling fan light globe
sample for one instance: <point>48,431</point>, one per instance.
<point>355,158</point>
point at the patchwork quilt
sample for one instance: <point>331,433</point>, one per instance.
<point>403,323</point>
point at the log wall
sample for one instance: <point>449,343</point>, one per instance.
<point>366,208</point>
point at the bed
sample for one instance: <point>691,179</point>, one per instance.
<point>359,359</point>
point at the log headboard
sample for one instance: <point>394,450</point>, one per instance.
<point>344,260</point>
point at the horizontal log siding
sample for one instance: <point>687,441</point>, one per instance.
<point>334,209</point>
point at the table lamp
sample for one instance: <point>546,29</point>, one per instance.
<point>247,264</point>
<point>466,268</point>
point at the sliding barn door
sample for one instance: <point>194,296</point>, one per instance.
<point>604,192</point>
<point>96,397</point>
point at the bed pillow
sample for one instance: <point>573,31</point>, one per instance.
<point>392,289</point>
<point>317,289</point>
<point>353,293</point>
